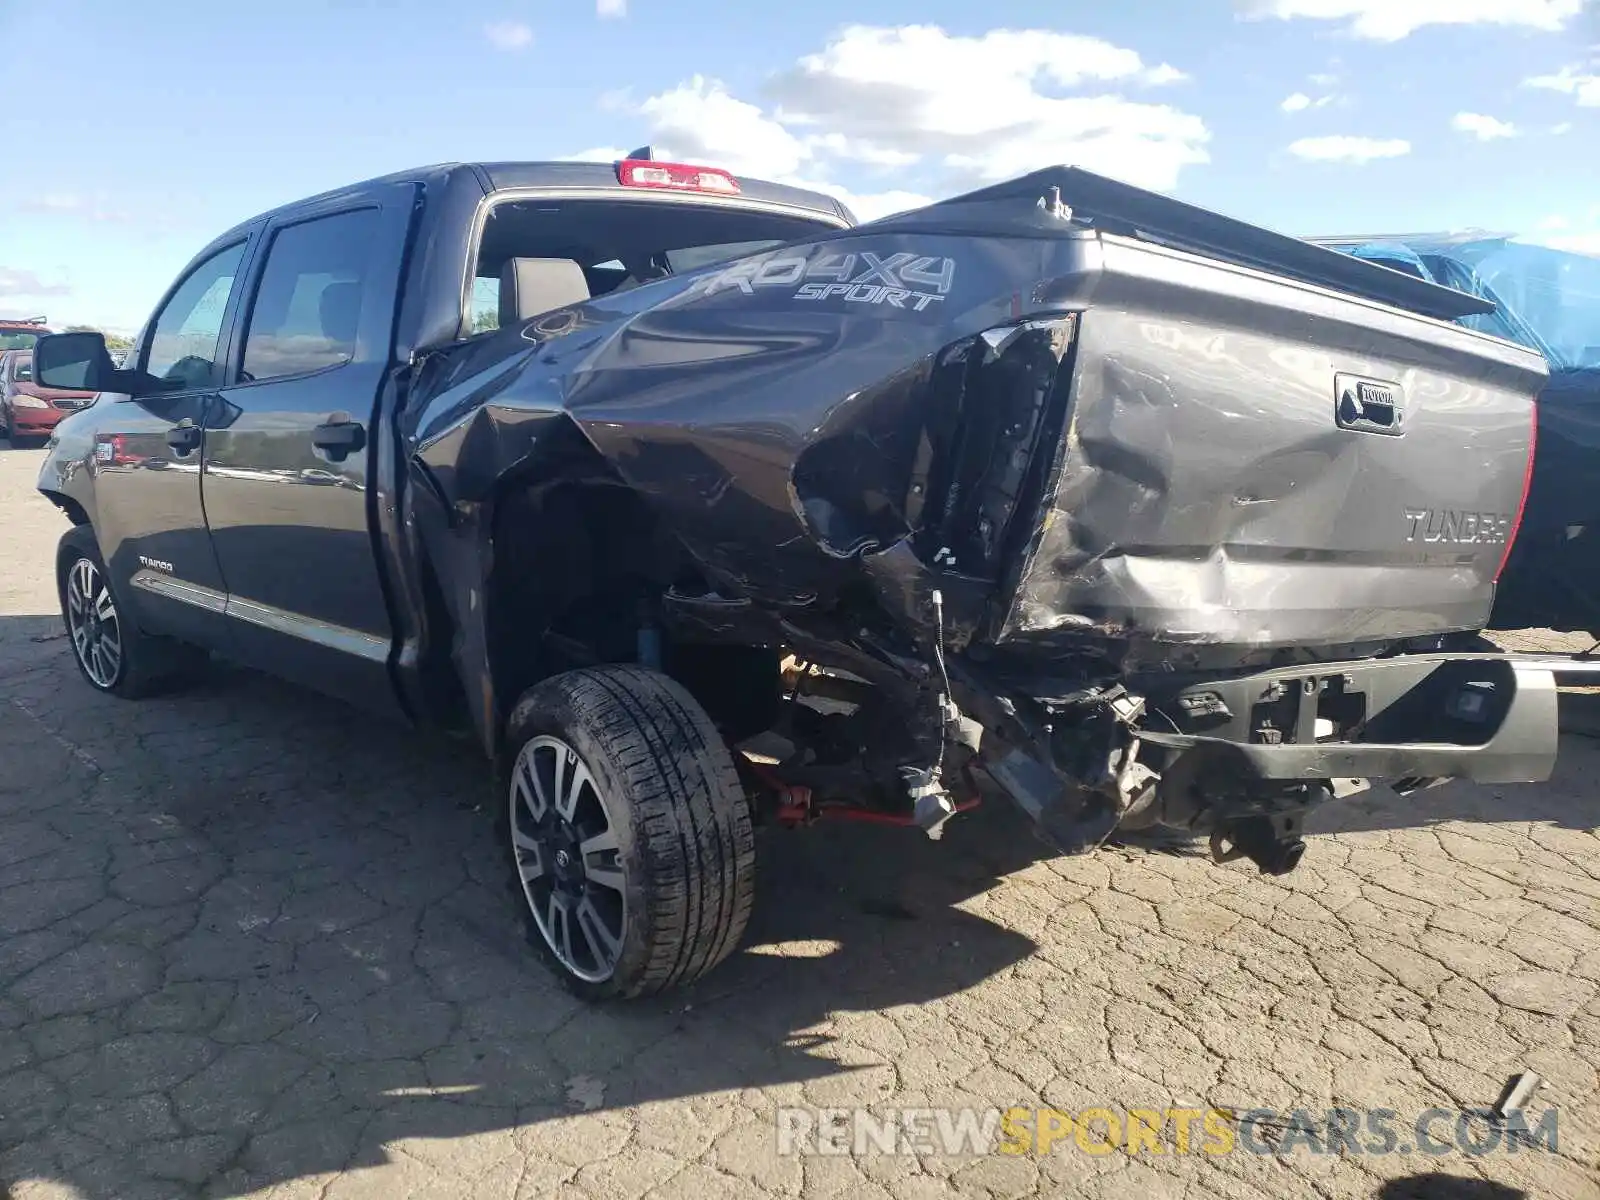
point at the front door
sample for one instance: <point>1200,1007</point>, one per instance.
<point>286,476</point>
<point>147,455</point>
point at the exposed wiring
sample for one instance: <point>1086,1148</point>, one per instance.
<point>944,674</point>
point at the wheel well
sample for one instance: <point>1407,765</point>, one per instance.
<point>579,564</point>
<point>71,507</point>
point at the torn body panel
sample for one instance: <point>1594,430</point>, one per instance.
<point>1206,493</point>
<point>999,464</point>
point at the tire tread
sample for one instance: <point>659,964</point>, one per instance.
<point>692,827</point>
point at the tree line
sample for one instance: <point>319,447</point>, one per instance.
<point>114,341</point>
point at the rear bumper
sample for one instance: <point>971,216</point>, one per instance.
<point>1214,751</point>
<point>1490,718</point>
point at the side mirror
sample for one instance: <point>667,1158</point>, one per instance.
<point>74,362</point>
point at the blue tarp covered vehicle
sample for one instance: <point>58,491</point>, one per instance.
<point>1548,299</point>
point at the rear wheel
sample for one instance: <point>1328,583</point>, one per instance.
<point>112,653</point>
<point>629,836</point>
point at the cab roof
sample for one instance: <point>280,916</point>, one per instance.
<point>512,176</point>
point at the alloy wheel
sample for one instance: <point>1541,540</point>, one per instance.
<point>93,624</point>
<point>563,833</point>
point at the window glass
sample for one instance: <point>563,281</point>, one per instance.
<point>691,258</point>
<point>22,368</point>
<point>184,343</point>
<point>485,310</point>
<point>307,309</point>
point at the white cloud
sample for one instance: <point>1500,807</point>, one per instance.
<point>1580,243</point>
<point>1570,81</point>
<point>72,204</point>
<point>611,8</point>
<point>1344,148</point>
<point>1484,128</point>
<point>869,206</point>
<point>1391,20</point>
<point>708,125</point>
<point>983,108</point>
<point>1299,102</point>
<point>1561,232</point>
<point>1164,74</point>
<point>509,35</point>
<point>600,154</point>
<point>936,112</point>
<point>17,282</point>
<point>839,146</point>
<point>1563,127</point>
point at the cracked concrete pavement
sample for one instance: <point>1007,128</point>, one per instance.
<point>255,943</point>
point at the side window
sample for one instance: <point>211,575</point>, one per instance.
<point>187,332</point>
<point>484,312</point>
<point>307,308</point>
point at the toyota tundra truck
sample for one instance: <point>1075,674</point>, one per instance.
<point>702,507</point>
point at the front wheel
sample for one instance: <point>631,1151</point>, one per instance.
<point>629,836</point>
<point>112,653</point>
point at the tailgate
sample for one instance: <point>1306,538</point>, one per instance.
<point>1250,461</point>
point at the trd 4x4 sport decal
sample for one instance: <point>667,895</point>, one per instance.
<point>902,280</point>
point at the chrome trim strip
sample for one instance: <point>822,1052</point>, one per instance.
<point>212,467</point>
<point>194,594</point>
<point>309,629</point>
<point>264,616</point>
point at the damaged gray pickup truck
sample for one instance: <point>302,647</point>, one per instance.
<point>1060,491</point>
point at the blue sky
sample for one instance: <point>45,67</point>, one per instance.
<point>136,132</point>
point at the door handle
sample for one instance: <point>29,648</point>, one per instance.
<point>339,436</point>
<point>183,437</point>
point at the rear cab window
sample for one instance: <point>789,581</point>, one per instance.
<point>18,339</point>
<point>620,243</point>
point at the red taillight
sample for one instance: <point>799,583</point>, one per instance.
<point>645,173</point>
<point>1522,504</point>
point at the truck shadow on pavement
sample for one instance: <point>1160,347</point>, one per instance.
<point>1436,1186</point>
<point>250,936</point>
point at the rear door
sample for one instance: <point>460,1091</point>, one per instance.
<point>147,455</point>
<point>286,477</point>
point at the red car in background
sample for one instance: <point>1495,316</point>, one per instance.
<point>28,411</point>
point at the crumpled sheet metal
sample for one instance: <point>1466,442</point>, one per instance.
<point>1202,493</point>
<point>757,424</point>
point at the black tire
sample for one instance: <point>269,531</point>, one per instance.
<point>146,665</point>
<point>685,848</point>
